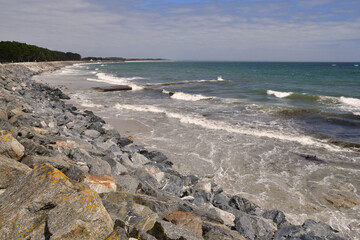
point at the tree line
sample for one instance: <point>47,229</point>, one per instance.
<point>22,52</point>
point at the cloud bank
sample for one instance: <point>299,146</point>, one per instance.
<point>252,30</point>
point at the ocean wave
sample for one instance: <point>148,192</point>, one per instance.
<point>186,96</point>
<point>222,126</point>
<point>279,94</point>
<point>342,103</point>
<point>346,104</point>
<point>351,101</point>
<point>106,78</point>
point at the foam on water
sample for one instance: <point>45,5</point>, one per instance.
<point>351,101</point>
<point>186,96</point>
<point>279,94</point>
<point>84,101</point>
<point>222,126</point>
<point>102,77</point>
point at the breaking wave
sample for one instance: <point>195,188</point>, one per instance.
<point>222,126</point>
<point>186,96</point>
<point>102,77</point>
<point>279,94</point>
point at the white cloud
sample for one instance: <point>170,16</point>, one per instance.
<point>92,30</point>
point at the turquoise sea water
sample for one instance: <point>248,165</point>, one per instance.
<point>285,135</point>
<point>324,98</point>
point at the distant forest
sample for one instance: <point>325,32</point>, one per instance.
<point>22,52</point>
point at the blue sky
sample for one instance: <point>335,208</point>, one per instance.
<point>245,30</point>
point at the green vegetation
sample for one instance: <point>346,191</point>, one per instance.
<point>22,52</point>
<point>115,59</point>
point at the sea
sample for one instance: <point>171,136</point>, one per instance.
<point>284,135</point>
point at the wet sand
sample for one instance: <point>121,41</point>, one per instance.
<point>128,127</point>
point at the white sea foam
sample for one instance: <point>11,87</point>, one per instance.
<point>102,77</point>
<point>222,126</point>
<point>343,103</point>
<point>351,101</point>
<point>188,97</point>
<point>279,94</point>
<point>83,101</point>
<point>350,104</point>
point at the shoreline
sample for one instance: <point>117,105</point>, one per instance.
<point>141,183</point>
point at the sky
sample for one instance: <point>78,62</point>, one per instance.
<point>226,30</point>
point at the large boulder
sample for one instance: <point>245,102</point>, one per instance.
<point>255,228</point>
<point>169,231</point>
<point>309,230</point>
<point>10,147</point>
<point>10,171</point>
<point>48,202</point>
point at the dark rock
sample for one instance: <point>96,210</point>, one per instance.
<point>113,88</point>
<point>277,216</point>
<point>309,230</point>
<point>242,204</point>
<point>33,148</point>
<point>254,228</point>
<point>313,158</point>
<point>155,156</point>
<point>221,201</point>
<point>215,231</point>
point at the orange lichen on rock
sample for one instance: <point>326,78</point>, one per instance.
<point>99,183</point>
<point>187,220</point>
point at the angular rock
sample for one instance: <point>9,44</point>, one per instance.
<point>155,156</point>
<point>127,183</point>
<point>187,220</point>
<point>255,228</point>
<point>169,231</point>
<point>10,147</point>
<point>277,216</point>
<point>118,234</point>
<point>99,183</point>
<point>57,162</point>
<point>309,230</point>
<point>215,231</point>
<point>227,217</point>
<point>130,214</point>
<point>243,204</point>
<point>3,115</point>
<point>96,165</point>
<point>138,159</point>
<point>159,206</point>
<point>11,171</point>
<point>92,134</point>
<point>47,199</point>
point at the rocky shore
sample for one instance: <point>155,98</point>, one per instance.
<point>67,174</point>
